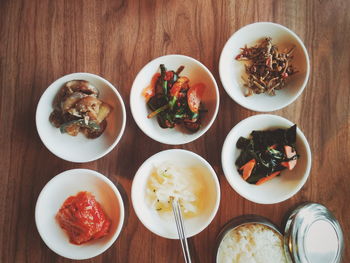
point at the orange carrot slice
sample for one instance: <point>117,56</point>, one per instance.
<point>247,169</point>
<point>149,91</point>
<point>267,178</point>
<point>290,164</point>
<point>178,85</point>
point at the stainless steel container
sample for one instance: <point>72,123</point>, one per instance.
<point>311,234</point>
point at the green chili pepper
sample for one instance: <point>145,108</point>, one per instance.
<point>154,113</point>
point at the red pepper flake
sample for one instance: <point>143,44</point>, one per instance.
<point>83,219</point>
<point>284,75</point>
<point>239,56</point>
<point>168,75</point>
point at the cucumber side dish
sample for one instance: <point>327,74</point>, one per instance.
<point>78,109</point>
<point>174,101</point>
<point>265,154</point>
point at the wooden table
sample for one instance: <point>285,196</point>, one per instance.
<point>43,40</point>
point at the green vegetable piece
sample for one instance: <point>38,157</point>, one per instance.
<point>165,87</point>
<point>162,77</point>
<point>172,102</point>
<point>159,110</point>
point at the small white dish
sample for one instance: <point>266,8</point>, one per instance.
<point>280,188</point>
<point>232,70</point>
<point>67,184</point>
<point>196,72</point>
<point>79,148</point>
<point>165,226</point>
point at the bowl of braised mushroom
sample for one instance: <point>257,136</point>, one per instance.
<point>80,117</point>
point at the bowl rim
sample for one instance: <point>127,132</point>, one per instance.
<point>200,159</point>
<point>99,176</point>
<point>227,145</point>
<point>72,77</point>
<point>196,135</point>
<point>300,90</point>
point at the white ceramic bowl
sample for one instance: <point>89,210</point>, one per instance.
<point>281,187</point>
<point>231,70</point>
<point>165,226</point>
<point>53,195</point>
<point>78,148</point>
<point>196,72</point>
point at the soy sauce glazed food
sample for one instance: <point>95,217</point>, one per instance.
<point>174,101</point>
<point>266,154</point>
<point>83,219</point>
<point>78,109</point>
<point>267,68</point>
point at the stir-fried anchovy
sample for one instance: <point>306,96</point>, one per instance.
<point>268,68</point>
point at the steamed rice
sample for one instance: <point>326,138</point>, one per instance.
<point>251,243</point>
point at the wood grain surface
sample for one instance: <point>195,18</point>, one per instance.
<point>44,40</point>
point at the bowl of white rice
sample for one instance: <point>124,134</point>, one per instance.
<point>250,239</point>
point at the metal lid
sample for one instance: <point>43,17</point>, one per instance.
<point>313,235</point>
